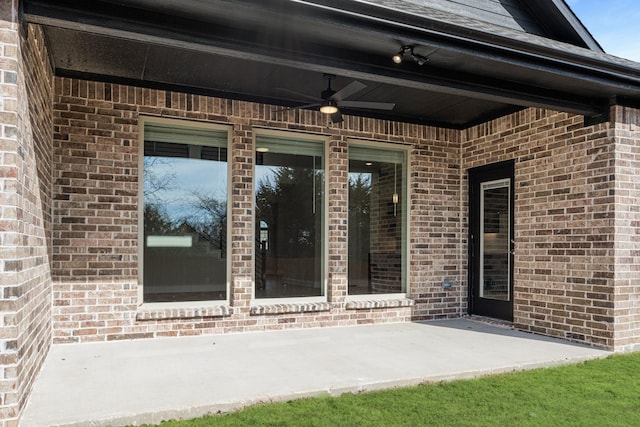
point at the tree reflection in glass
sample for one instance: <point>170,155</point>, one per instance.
<point>289,204</point>
<point>185,222</point>
<point>377,220</point>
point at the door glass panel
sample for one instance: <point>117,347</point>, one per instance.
<point>495,240</point>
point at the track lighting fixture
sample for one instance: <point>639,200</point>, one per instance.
<point>419,59</point>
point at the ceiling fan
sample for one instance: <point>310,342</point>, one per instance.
<point>330,101</point>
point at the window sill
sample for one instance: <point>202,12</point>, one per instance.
<point>378,303</point>
<point>165,311</point>
<point>290,308</point>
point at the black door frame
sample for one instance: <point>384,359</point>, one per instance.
<point>481,306</point>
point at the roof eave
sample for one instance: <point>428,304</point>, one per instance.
<point>556,58</point>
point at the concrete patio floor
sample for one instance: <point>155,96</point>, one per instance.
<point>146,381</point>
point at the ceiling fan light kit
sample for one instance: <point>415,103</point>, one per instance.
<point>331,102</point>
<point>328,107</point>
<point>336,117</point>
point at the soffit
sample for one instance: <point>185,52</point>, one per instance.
<point>268,50</point>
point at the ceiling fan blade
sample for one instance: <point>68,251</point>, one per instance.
<point>367,105</point>
<point>297,94</point>
<point>336,117</point>
<point>348,90</point>
<point>298,107</point>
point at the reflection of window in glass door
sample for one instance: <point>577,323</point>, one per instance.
<point>495,241</point>
<point>377,220</point>
<point>289,209</point>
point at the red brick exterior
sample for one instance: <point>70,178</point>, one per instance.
<point>565,218</point>
<point>69,199</point>
<point>568,225</point>
<point>96,210</point>
<point>25,206</point>
<point>626,313</point>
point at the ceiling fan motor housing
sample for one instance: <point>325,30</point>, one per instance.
<point>328,93</point>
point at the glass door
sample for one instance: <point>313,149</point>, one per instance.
<point>491,241</point>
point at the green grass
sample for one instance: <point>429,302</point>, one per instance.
<point>595,393</point>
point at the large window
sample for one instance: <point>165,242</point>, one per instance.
<point>289,222</point>
<point>185,212</point>
<point>377,220</point>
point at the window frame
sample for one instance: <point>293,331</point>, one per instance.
<point>291,134</point>
<point>143,120</point>
<point>406,149</point>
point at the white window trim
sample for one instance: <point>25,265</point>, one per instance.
<point>282,301</point>
<point>195,124</point>
<point>324,139</point>
<point>406,264</point>
<point>375,297</point>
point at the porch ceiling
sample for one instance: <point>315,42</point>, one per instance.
<point>269,50</point>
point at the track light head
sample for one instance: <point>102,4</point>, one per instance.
<point>398,57</point>
<point>421,60</point>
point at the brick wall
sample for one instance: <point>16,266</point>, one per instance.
<point>626,130</point>
<point>437,235</point>
<point>566,225</point>
<point>25,188</point>
<point>95,212</point>
<point>69,208</point>
<point>564,219</point>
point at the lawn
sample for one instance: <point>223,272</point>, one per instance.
<point>602,392</point>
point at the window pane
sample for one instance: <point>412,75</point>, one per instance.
<point>185,214</point>
<point>289,198</point>
<point>495,245</point>
<point>377,220</point>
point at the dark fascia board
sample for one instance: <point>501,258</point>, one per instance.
<point>625,102</point>
<point>577,25</point>
<point>559,19</point>
<point>557,56</point>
